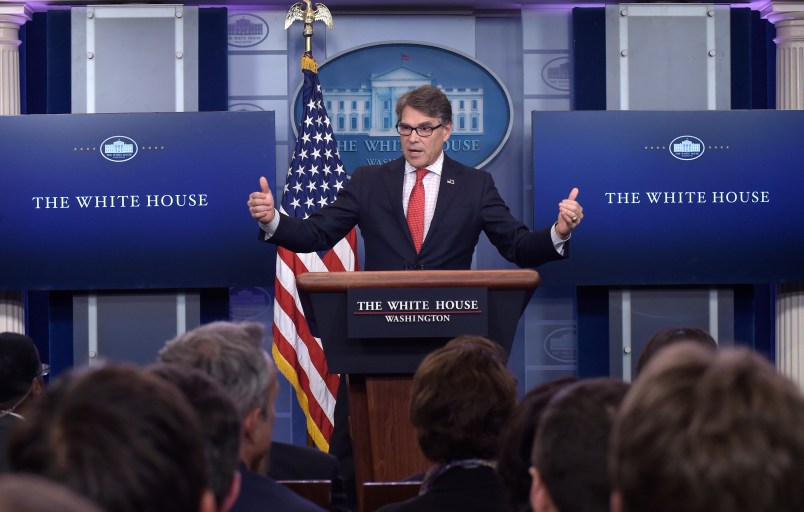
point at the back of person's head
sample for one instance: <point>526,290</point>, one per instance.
<point>427,99</point>
<point>232,354</point>
<point>517,441</point>
<point>28,493</point>
<point>20,369</point>
<point>462,395</point>
<point>220,426</point>
<point>121,437</point>
<point>703,431</point>
<point>570,449</point>
<point>669,336</point>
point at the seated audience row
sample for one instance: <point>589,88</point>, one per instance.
<point>698,430</point>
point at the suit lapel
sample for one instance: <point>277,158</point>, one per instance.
<point>447,192</point>
<point>394,181</point>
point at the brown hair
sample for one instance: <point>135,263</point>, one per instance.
<point>714,432</point>
<point>427,99</point>
<point>462,396</point>
<point>668,336</point>
<point>121,437</point>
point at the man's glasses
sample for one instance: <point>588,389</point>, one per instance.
<point>421,131</point>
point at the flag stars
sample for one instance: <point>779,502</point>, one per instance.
<point>313,170</point>
<point>322,202</point>
<point>309,203</point>
<point>311,105</point>
<point>308,121</point>
<point>338,185</point>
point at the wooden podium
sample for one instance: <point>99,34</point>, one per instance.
<point>379,370</point>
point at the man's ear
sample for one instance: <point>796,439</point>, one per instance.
<point>37,386</point>
<point>250,424</point>
<point>234,492</point>
<point>616,502</point>
<point>207,502</point>
<point>540,500</point>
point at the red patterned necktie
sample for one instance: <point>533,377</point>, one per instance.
<point>416,210</point>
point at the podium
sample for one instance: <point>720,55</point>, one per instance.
<point>379,368</point>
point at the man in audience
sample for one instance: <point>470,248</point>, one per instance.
<point>233,355</point>
<point>516,445</point>
<point>20,381</point>
<point>121,437</point>
<point>220,428</point>
<point>570,450</point>
<point>705,431</point>
<point>462,395</point>
<point>668,336</point>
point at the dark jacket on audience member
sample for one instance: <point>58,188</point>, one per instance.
<point>295,462</point>
<point>262,493</point>
<point>459,489</point>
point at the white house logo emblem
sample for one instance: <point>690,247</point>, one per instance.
<point>686,147</point>
<point>361,87</point>
<point>246,30</point>
<point>118,149</point>
<point>560,345</point>
<point>556,74</point>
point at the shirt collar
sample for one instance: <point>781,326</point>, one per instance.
<point>434,167</point>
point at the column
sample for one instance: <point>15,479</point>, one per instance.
<point>788,18</point>
<point>12,17</point>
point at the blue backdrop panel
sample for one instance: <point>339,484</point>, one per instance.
<point>173,215</point>
<point>725,212</point>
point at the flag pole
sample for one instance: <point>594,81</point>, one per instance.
<point>314,177</point>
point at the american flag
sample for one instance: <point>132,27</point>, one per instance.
<point>314,178</point>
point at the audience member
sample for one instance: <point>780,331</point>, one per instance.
<point>20,380</point>
<point>517,442</point>
<point>233,355</point>
<point>462,395</point>
<point>28,493</point>
<point>570,450</point>
<point>220,428</point>
<point>669,336</point>
<point>703,431</point>
<point>119,436</point>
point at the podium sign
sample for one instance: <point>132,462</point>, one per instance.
<point>415,313</point>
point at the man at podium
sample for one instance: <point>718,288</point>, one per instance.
<point>423,210</point>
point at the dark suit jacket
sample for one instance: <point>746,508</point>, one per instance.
<point>262,493</point>
<point>294,462</point>
<point>459,490</point>
<point>468,204</point>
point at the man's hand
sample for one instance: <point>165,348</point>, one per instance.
<point>261,204</point>
<point>570,214</point>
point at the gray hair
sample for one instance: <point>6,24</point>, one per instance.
<point>232,354</point>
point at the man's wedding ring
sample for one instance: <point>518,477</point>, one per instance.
<point>574,218</point>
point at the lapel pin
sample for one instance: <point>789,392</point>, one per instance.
<point>451,182</point>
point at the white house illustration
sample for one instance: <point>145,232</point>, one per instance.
<point>687,146</point>
<point>118,147</point>
<point>369,109</point>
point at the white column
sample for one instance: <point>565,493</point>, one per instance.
<point>788,18</point>
<point>12,17</point>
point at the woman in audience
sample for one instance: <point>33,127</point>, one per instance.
<point>462,396</point>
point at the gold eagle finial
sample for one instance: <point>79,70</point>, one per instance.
<point>308,15</point>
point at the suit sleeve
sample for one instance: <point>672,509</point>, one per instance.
<point>324,228</point>
<point>512,238</point>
